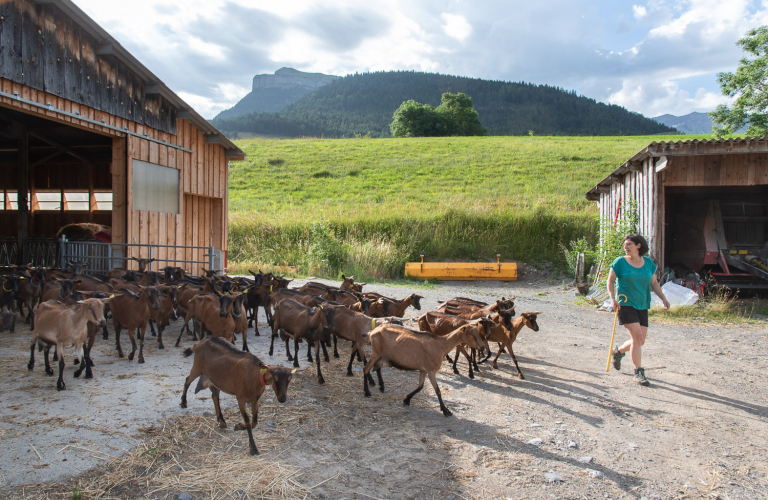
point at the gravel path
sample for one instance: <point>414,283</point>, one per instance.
<point>569,430</point>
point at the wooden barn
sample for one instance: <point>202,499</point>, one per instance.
<point>90,135</point>
<point>702,205</point>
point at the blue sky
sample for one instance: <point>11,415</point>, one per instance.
<point>652,57</point>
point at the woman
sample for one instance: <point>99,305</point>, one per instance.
<point>637,277</point>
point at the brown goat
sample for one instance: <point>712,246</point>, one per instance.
<point>221,367</point>
<point>478,313</point>
<point>30,292</point>
<point>64,326</point>
<point>398,307</point>
<point>167,300</point>
<point>423,351</point>
<point>59,289</point>
<point>507,337</point>
<point>298,321</point>
<point>214,313</point>
<point>132,312</point>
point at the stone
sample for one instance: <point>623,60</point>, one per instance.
<point>585,460</point>
<point>185,496</point>
<point>632,446</point>
<point>572,444</point>
<point>535,442</point>
<point>207,414</point>
<point>689,485</point>
<point>192,434</point>
<point>595,474</point>
<point>535,425</point>
<point>553,477</point>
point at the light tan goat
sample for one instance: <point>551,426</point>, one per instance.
<point>423,351</point>
<point>506,337</point>
<point>63,326</point>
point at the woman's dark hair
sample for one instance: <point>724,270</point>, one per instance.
<point>638,240</point>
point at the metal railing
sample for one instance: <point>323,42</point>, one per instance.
<point>102,257</point>
<point>40,252</point>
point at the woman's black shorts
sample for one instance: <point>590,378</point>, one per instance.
<point>628,314</point>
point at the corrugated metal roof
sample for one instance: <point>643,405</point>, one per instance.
<point>125,57</point>
<point>736,145</point>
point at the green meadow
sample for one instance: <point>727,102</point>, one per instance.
<point>366,206</point>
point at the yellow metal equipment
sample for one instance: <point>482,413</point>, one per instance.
<point>463,271</point>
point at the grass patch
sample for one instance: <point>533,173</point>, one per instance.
<point>382,201</point>
<point>716,309</point>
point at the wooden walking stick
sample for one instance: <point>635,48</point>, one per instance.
<point>613,335</point>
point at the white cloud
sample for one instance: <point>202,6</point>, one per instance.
<point>207,51</point>
<point>456,26</point>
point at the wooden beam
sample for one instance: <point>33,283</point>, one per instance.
<point>616,178</point>
<point>60,147</point>
<point>635,166</point>
<point>104,49</point>
<point>151,88</point>
<point>603,188</point>
<point>22,187</point>
<point>182,113</point>
<point>213,139</point>
<point>662,163</point>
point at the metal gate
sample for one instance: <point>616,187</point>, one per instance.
<point>102,257</point>
<point>41,252</point>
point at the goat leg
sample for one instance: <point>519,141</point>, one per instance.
<point>117,339</point>
<point>519,373</point>
<point>106,333</point>
<point>247,420</point>
<point>474,359</point>
<point>160,329</point>
<point>336,352</point>
<point>60,385</point>
<point>142,331</point>
<point>367,371</point>
<point>407,400</point>
<point>325,352</point>
<point>295,350</point>
<point>381,380</point>
<point>88,362</point>
<point>83,364</point>
<point>318,343</point>
<point>132,336</point>
<point>152,327</point>
<point>309,352</point>
<point>219,416</point>
<point>444,408</point>
<point>48,369</point>
<point>31,363</point>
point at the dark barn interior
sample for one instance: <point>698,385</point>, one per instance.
<point>69,178</point>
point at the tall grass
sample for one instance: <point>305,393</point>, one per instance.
<point>367,206</point>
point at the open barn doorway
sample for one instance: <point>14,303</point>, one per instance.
<point>711,230</point>
<point>52,175</point>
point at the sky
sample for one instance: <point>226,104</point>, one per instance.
<point>649,56</point>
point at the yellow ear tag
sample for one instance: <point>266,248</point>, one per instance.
<point>112,296</point>
<point>463,328</point>
<point>373,323</point>
<point>270,288</point>
<point>263,371</point>
<point>294,370</point>
<point>321,307</point>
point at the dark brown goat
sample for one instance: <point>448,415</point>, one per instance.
<point>221,367</point>
<point>298,321</point>
<point>30,292</point>
<point>507,337</point>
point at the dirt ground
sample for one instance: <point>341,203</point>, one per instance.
<point>569,430</point>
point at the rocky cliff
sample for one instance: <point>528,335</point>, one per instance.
<point>274,93</point>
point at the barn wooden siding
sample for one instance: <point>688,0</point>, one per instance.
<point>698,163</point>
<point>47,51</point>
<point>640,184</point>
<point>202,181</point>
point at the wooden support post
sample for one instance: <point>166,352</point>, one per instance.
<point>21,199</point>
<point>91,195</point>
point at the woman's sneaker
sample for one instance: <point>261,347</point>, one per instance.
<point>640,377</point>
<point>617,358</point>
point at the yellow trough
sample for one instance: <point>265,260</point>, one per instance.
<point>462,271</point>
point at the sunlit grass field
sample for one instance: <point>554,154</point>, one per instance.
<point>366,206</point>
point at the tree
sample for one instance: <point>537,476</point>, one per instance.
<point>454,116</point>
<point>750,84</point>
<point>413,119</point>
<point>462,116</point>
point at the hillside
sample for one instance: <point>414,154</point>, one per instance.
<point>274,93</point>
<point>692,123</point>
<point>364,103</point>
<point>370,205</point>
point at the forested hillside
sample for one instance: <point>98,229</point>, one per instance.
<point>365,103</point>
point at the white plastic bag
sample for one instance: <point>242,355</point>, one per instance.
<point>676,295</point>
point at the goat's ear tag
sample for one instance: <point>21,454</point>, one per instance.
<point>463,328</point>
<point>112,296</point>
<point>270,288</point>
<point>22,278</point>
<point>263,371</point>
<point>294,370</point>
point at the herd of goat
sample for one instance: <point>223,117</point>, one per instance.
<point>66,308</point>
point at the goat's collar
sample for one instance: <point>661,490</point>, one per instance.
<point>32,282</point>
<point>5,283</point>
<point>236,315</point>
<point>261,376</point>
<point>62,298</point>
